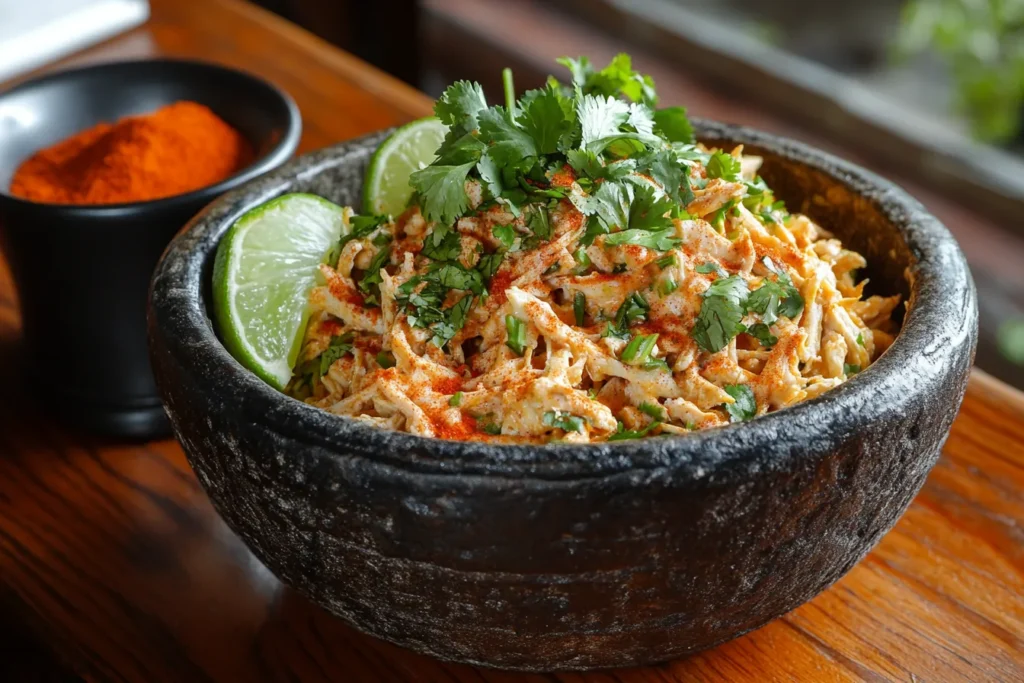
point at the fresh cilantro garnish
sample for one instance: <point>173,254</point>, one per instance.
<point>442,244</point>
<point>370,284</point>
<point>667,286</point>
<point>774,299</point>
<point>459,106</point>
<point>506,234</point>
<point>385,360</point>
<point>623,434</point>
<point>516,331</point>
<point>648,211</point>
<point>489,264</point>
<point>443,190</point>
<point>639,348</point>
<point>492,428</point>
<point>663,168</point>
<point>672,124</point>
<point>653,410</point>
<point>456,400</point>
<point>860,339</point>
<point>849,369</point>
<point>723,165</point>
<point>579,308</point>
<point>633,309</point>
<point>710,267</point>
<point>666,261</point>
<point>547,118</point>
<point>763,334</point>
<point>336,348</point>
<point>744,406</point>
<point>583,261</point>
<point>564,421</point>
<point>540,223</point>
<point>721,313</point>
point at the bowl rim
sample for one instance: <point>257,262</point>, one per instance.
<point>939,330</point>
<point>273,158</point>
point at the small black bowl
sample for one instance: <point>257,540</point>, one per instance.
<point>82,272</point>
<point>576,556</point>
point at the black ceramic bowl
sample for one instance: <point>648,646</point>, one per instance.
<point>82,272</point>
<point>576,557</point>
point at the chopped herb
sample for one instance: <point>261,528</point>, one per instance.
<point>763,334</point>
<point>385,360</point>
<point>506,234</point>
<point>710,267</point>
<point>516,330</point>
<point>492,428</point>
<point>721,313</point>
<point>564,421</point>
<point>744,406</point>
<point>653,410</point>
<point>656,364</point>
<point>774,299</point>
<point>443,244</point>
<point>582,261</point>
<point>336,348</point>
<point>639,348</point>
<point>489,264</point>
<point>540,223</point>
<point>667,286</point>
<point>666,261</point>
<point>849,369</point>
<point>659,240</point>
<point>579,308</point>
<point>725,166</point>
<point>632,310</point>
<point>370,284</point>
<point>456,400</point>
<point>860,339</point>
<point>623,434</point>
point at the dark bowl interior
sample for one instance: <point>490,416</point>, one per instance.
<point>97,260</point>
<point>576,557</point>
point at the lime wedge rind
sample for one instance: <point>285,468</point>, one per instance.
<point>266,265</point>
<point>386,189</point>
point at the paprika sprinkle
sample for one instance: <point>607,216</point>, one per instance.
<point>176,149</point>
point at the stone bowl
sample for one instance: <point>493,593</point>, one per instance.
<point>560,557</point>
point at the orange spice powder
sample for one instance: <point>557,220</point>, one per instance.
<point>175,149</point>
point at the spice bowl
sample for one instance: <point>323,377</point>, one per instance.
<point>82,271</point>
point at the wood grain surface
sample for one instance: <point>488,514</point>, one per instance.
<point>112,556</point>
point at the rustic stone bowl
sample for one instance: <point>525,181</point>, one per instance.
<point>575,557</point>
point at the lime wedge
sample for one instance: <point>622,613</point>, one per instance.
<point>266,265</point>
<point>410,148</point>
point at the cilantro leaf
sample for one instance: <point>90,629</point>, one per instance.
<point>600,120</point>
<point>442,244</point>
<point>336,348</point>
<point>506,234</point>
<point>633,309</point>
<point>580,68</point>
<point>459,106</point>
<point>612,201</point>
<point>721,314</point>
<point>618,78</point>
<point>724,166</point>
<point>489,264</point>
<point>540,223</point>
<point>664,169</point>
<point>850,370</point>
<point>647,210</point>
<point>745,405</point>
<point>774,299</point>
<point>508,144</point>
<point>763,334</point>
<point>370,284</point>
<point>564,421</point>
<point>545,120</point>
<point>622,434</point>
<point>673,124</point>
<point>443,190</point>
<point>711,267</point>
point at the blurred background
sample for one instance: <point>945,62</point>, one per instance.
<point>929,93</point>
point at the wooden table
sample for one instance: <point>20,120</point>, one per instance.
<point>111,555</point>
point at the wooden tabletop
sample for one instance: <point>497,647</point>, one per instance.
<point>112,557</point>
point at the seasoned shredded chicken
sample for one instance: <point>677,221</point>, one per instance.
<point>574,267</point>
<point>535,329</point>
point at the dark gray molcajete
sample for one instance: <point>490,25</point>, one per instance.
<point>576,557</point>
